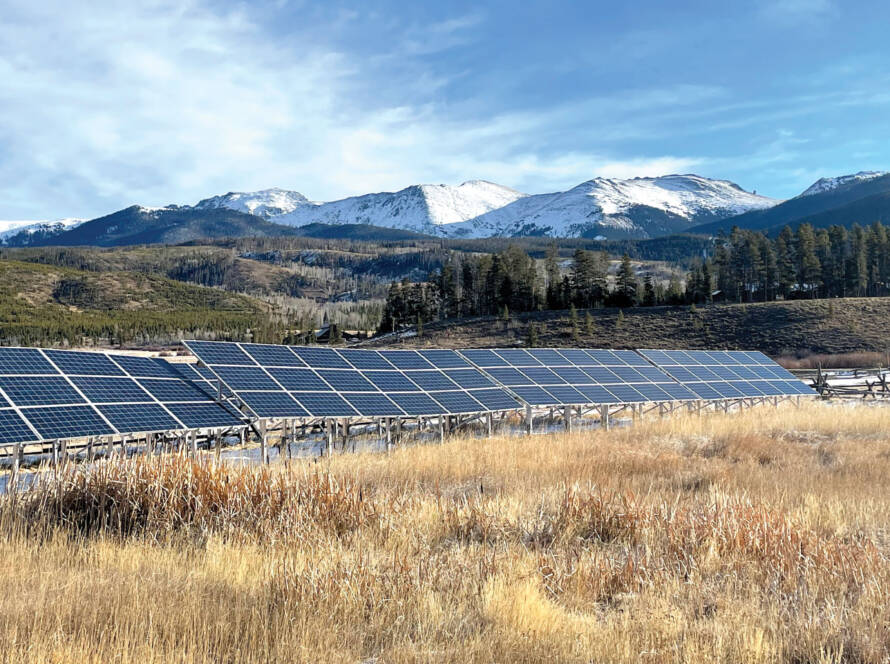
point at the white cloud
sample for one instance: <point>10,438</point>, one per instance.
<point>160,101</point>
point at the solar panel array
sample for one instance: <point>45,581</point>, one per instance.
<point>54,394</point>
<point>727,374</point>
<point>552,377</point>
<point>301,381</point>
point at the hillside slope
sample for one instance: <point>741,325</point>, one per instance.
<point>843,200</point>
<point>42,304</point>
<point>820,326</point>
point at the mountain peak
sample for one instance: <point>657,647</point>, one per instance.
<point>264,203</point>
<point>823,185</point>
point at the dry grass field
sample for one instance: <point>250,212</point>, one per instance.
<point>754,537</point>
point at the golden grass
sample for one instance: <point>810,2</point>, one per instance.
<point>760,537</point>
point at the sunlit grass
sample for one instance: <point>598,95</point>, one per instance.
<point>753,537</point>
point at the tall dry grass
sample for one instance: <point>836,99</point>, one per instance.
<point>760,537</point>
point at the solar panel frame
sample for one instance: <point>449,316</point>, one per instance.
<point>25,361</point>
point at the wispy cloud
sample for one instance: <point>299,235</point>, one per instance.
<point>790,12</point>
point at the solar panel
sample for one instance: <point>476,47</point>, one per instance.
<point>139,418</point>
<point>432,380</point>
<point>219,352</point>
<point>373,404</point>
<point>509,376</point>
<point>484,358</point>
<point>145,367</point>
<point>324,404</point>
<point>567,394</point>
<point>518,357</point>
<point>534,395</point>
<point>469,378</point>
<point>13,428</point>
<point>494,399</point>
<point>166,390</point>
<point>391,381</point>
<point>245,378</point>
<point>542,376</point>
<point>597,394</point>
<point>272,404</point>
<point>110,390</point>
<point>458,401</point>
<point>365,359</point>
<point>417,403</point>
<point>320,358</point>
<point>444,359</point>
<point>203,415</point>
<point>406,359</point>
<point>74,363</point>
<point>39,390</point>
<point>267,355</point>
<point>3,402</point>
<point>548,357</point>
<point>578,357</point>
<point>24,361</point>
<point>67,422</point>
<point>298,379</point>
<point>346,380</point>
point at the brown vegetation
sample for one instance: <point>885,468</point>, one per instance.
<point>759,537</point>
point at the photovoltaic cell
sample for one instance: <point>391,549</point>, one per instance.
<point>444,359</point>
<point>13,428</point>
<point>373,404</point>
<point>431,380</point>
<point>406,359</point>
<point>298,379</point>
<point>39,390</point>
<point>365,359</point>
<point>204,415</point>
<point>246,378</point>
<point>145,367</point>
<point>67,422</point>
<point>484,358</point>
<point>173,390</point>
<point>534,395</point>
<point>391,381</point>
<point>324,404</point>
<point>417,403</point>
<point>268,355</point>
<point>494,399</point>
<point>469,378</point>
<point>320,358</point>
<point>110,390</point>
<point>272,404</point>
<point>542,376</point>
<point>518,357</point>
<point>74,363</point>
<point>567,394</point>
<point>139,418</point>
<point>346,380</point>
<point>219,352</point>
<point>509,376</point>
<point>597,394</point>
<point>548,357</point>
<point>458,401</point>
<point>24,361</point>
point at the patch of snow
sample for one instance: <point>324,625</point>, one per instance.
<point>10,229</point>
<point>266,203</point>
<point>823,185</point>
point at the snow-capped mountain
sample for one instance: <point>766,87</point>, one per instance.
<point>423,208</point>
<point>823,185</point>
<point>26,230</point>
<point>266,203</point>
<point>612,208</point>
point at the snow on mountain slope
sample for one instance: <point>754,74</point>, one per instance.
<point>266,203</point>
<point>10,229</point>
<point>641,207</point>
<point>423,208</point>
<point>823,185</point>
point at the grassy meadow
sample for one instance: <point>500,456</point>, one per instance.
<point>753,537</point>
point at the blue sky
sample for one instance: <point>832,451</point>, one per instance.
<point>108,104</point>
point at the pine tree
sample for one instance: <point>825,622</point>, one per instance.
<point>626,283</point>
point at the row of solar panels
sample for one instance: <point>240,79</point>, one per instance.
<point>296,381</point>
<point>55,394</point>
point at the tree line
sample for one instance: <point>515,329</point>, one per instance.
<point>745,266</point>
